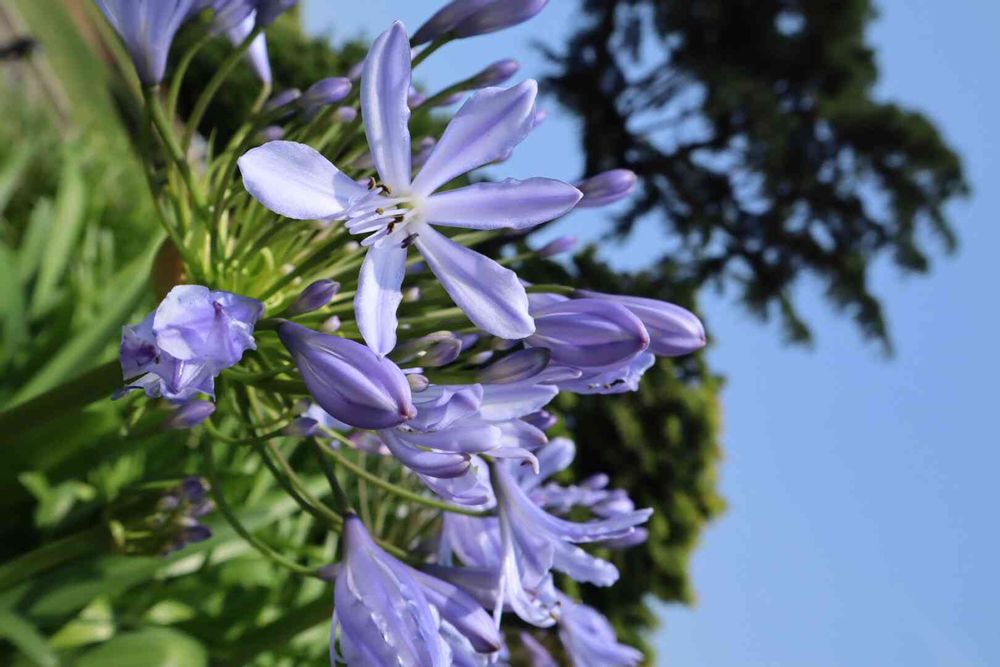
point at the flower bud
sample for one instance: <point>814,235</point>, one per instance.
<point>348,380</point>
<point>515,367</point>
<point>345,114</point>
<point>418,382</point>
<point>606,188</point>
<point>496,73</point>
<point>189,415</point>
<point>314,297</point>
<point>543,420</point>
<point>557,246</point>
<point>325,92</point>
<point>673,331</point>
<point>272,133</point>
<point>467,18</point>
<point>588,333</point>
<point>411,295</point>
<point>330,325</point>
<point>269,10</point>
<point>283,99</point>
<point>301,427</point>
<point>437,349</point>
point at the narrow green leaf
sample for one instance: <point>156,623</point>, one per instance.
<point>13,171</point>
<point>27,639</point>
<point>29,254</point>
<point>152,647</point>
<point>13,320</point>
<point>71,214</point>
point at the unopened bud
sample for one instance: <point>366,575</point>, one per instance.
<point>314,297</point>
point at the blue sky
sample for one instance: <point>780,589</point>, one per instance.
<point>862,492</point>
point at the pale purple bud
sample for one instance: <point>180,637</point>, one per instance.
<point>516,367</point>
<point>272,133</point>
<point>415,98</point>
<point>330,325</point>
<point>606,188</point>
<point>496,73</point>
<point>189,415</point>
<point>433,350</point>
<point>355,71</point>
<point>346,114</point>
<point>147,29</point>
<point>502,344</point>
<point>411,295</point>
<point>588,333</point>
<point>481,357</point>
<point>467,18</point>
<point>348,380</point>
<point>557,246</point>
<point>543,420</point>
<point>418,382</point>
<point>314,297</point>
<point>469,341</point>
<point>673,331</point>
<point>325,92</point>
<point>301,427</point>
<point>283,99</point>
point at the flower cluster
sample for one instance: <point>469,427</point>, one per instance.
<point>366,299</point>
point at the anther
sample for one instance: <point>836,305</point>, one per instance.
<point>372,183</point>
<point>408,241</point>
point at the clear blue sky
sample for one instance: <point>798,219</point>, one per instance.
<point>862,527</point>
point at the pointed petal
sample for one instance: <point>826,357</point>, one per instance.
<point>491,296</point>
<point>295,181</point>
<point>485,129</point>
<point>511,203</point>
<point>385,85</point>
<point>379,296</point>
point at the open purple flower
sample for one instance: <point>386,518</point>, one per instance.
<point>179,348</point>
<point>589,638</point>
<point>348,380</point>
<point>401,210</point>
<point>390,614</point>
<point>147,27</point>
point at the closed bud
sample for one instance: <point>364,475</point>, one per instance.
<point>411,295</point>
<point>314,297</point>
<point>189,415</point>
<point>330,325</point>
<point>269,10</point>
<point>325,92</point>
<point>515,367</point>
<point>588,333</point>
<point>345,114</point>
<point>543,420</point>
<point>282,99</point>
<point>467,18</point>
<point>302,427</point>
<point>418,382</point>
<point>673,331</point>
<point>496,73</point>
<point>557,246</point>
<point>606,188</point>
<point>436,349</point>
<point>272,133</point>
<point>348,380</point>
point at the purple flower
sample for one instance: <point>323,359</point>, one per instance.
<point>189,415</point>
<point>606,188</point>
<point>587,333</point>
<point>617,380</point>
<point>467,18</point>
<point>589,638</point>
<point>257,53</point>
<point>348,380</point>
<point>314,297</point>
<point>283,99</point>
<point>147,27</point>
<point>179,348</point>
<point>517,366</point>
<point>524,543</point>
<point>431,351</point>
<point>673,331</point>
<point>297,182</point>
<point>391,614</point>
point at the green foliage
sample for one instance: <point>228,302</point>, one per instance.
<point>761,145</point>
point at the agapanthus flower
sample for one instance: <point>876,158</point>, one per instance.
<point>586,333</point>
<point>673,331</point>
<point>606,188</point>
<point>497,73</point>
<point>538,655</point>
<point>467,18</point>
<point>323,93</point>
<point>589,639</point>
<point>147,27</point>
<point>348,380</point>
<point>189,415</point>
<point>557,246</point>
<point>399,211</point>
<point>525,543</point>
<point>257,51</point>
<point>179,348</point>
<point>314,297</point>
<point>390,614</point>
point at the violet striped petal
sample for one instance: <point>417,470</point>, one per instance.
<point>588,333</point>
<point>296,181</point>
<point>147,27</point>
<point>385,85</point>
<point>502,402</point>
<point>442,465</point>
<point>511,203</point>
<point>379,295</point>
<point>489,294</point>
<point>461,610</point>
<point>673,331</point>
<point>487,127</point>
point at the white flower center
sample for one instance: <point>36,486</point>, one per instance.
<point>384,217</point>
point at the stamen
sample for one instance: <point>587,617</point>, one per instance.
<point>408,241</point>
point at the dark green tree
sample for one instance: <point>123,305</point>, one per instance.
<point>761,146</point>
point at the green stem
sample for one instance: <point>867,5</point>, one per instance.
<point>68,397</point>
<point>392,488</point>
<point>220,502</point>
<point>343,503</point>
<point>166,131</point>
<point>182,67</point>
<point>213,85</point>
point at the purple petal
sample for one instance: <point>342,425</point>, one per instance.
<point>425,462</point>
<point>588,333</point>
<point>385,85</point>
<point>487,128</point>
<point>379,296</point>
<point>489,294</point>
<point>516,367</point>
<point>502,402</point>
<point>296,181</point>
<point>446,18</point>
<point>461,610</point>
<point>673,331</point>
<point>471,489</point>
<point>510,203</point>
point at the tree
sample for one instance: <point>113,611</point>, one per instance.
<point>761,146</point>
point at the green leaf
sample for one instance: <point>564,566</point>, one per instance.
<point>94,624</point>
<point>29,254</point>
<point>152,647</point>
<point>71,213</point>
<point>12,315</point>
<point>12,172</point>
<point>27,639</point>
